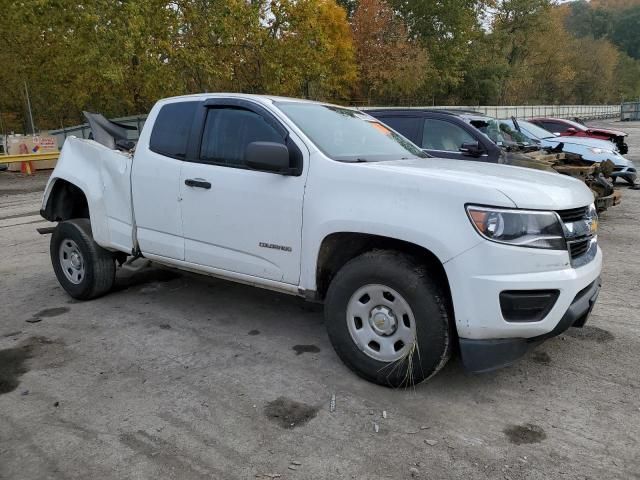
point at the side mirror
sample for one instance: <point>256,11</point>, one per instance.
<point>268,156</point>
<point>472,149</point>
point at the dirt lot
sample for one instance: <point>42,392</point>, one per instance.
<point>179,376</point>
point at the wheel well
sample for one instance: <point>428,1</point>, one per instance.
<point>338,248</point>
<point>66,201</point>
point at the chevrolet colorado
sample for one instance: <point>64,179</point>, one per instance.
<point>411,256</point>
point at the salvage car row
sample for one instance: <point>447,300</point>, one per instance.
<point>469,135</point>
<point>414,255</point>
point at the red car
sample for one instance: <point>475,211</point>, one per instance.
<point>568,128</point>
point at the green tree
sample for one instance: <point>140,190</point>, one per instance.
<point>625,32</point>
<point>583,20</point>
<point>446,30</point>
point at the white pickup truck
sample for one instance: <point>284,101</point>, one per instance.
<point>411,255</point>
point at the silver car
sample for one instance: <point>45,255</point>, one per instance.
<point>591,149</point>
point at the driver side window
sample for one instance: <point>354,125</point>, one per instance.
<point>444,136</point>
<point>228,132</point>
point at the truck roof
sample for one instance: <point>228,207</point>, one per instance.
<point>262,98</point>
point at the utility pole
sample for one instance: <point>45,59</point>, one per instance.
<point>26,91</point>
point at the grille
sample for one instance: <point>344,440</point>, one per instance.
<point>577,232</point>
<point>618,169</point>
<point>573,214</point>
<point>579,247</point>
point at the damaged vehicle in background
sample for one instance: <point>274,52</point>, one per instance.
<point>573,128</point>
<point>591,149</point>
<point>466,135</point>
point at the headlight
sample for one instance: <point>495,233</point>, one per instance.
<point>523,228</point>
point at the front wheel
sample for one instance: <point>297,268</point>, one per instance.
<point>83,268</point>
<point>387,319</point>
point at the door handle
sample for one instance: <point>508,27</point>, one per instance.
<point>197,183</point>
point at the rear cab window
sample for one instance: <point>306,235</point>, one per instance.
<point>171,129</point>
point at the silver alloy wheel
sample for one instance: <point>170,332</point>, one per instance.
<point>71,261</point>
<point>381,323</point>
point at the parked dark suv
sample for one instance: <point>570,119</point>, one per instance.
<point>466,135</point>
<point>442,133</point>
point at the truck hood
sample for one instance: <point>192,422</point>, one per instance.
<point>525,187</point>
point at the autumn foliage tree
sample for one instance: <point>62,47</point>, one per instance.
<point>392,66</point>
<point>119,56</point>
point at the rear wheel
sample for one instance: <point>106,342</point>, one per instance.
<point>83,268</point>
<point>387,320</point>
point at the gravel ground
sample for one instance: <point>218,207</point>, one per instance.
<point>179,376</point>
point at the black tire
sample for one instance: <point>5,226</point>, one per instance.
<point>99,264</point>
<point>434,334</point>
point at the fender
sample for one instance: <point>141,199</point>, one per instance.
<point>106,188</point>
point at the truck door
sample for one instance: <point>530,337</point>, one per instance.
<point>234,218</point>
<point>155,179</point>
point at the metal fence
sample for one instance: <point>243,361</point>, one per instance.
<point>630,111</point>
<point>584,112</point>
<point>83,131</point>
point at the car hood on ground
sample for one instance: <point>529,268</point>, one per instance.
<point>526,187</point>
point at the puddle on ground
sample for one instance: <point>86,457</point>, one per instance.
<point>13,361</point>
<point>12,334</point>
<point>288,413</point>
<point>164,326</point>
<point>588,332</point>
<point>12,367</point>
<point>542,358</point>
<point>253,332</point>
<point>51,312</point>
<point>525,434</point>
<point>300,349</point>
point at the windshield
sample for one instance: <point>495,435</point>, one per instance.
<point>532,131</point>
<point>576,125</point>
<point>501,133</point>
<point>349,135</point>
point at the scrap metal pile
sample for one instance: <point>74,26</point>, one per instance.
<point>593,174</point>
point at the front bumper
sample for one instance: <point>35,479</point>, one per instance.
<point>603,203</point>
<point>623,148</point>
<point>489,339</point>
<point>626,173</point>
<point>490,354</point>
